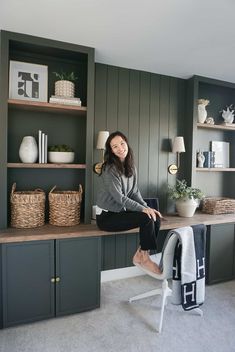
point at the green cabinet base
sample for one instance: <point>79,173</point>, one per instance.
<point>220,253</point>
<point>43,279</point>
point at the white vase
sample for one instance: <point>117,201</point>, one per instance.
<point>28,151</point>
<point>186,207</point>
<point>202,113</point>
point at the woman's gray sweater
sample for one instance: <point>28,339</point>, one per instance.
<point>119,193</point>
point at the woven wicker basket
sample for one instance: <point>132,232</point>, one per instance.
<point>218,205</point>
<point>65,207</point>
<point>27,208</point>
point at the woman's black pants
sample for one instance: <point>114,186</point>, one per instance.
<point>127,220</point>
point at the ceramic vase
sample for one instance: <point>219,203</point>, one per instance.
<point>186,207</point>
<point>28,151</point>
<point>202,113</point>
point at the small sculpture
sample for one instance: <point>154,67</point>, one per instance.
<point>200,159</point>
<point>210,121</point>
<point>228,114</point>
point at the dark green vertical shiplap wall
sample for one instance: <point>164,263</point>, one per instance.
<point>149,109</point>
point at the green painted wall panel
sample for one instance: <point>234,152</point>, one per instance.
<point>148,108</point>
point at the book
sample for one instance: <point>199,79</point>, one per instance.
<point>221,150</point>
<point>43,148</point>
<point>39,146</point>
<point>64,100</point>
<point>209,159</point>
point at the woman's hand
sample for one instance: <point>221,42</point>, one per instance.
<point>152,213</point>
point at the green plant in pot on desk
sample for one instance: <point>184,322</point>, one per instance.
<point>61,153</point>
<point>186,197</point>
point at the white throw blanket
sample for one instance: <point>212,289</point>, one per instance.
<point>188,283</point>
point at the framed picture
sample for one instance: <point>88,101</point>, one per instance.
<point>28,81</point>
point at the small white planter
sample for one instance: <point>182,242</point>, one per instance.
<point>186,207</point>
<point>61,157</point>
<point>64,88</point>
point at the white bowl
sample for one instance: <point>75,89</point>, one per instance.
<point>61,157</point>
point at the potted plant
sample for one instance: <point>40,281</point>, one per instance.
<point>186,197</point>
<point>60,153</point>
<point>64,86</point>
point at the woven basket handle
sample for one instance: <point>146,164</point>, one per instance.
<point>80,189</point>
<point>39,190</point>
<point>13,188</point>
<point>53,188</point>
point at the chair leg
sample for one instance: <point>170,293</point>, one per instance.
<point>157,291</point>
<point>166,291</point>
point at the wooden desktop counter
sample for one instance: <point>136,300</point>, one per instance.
<point>48,232</point>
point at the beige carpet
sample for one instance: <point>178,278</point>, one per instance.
<point>119,326</point>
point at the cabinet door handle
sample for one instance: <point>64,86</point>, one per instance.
<point>57,279</point>
<point>53,279</point>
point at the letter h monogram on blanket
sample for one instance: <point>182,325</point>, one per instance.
<point>188,282</point>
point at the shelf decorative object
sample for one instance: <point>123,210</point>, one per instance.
<point>65,86</point>
<point>218,205</point>
<point>61,154</point>
<point>65,207</point>
<point>27,208</point>
<point>202,113</point>
<point>228,115</point>
<point>28,151</point>
<point>186,197</point>
<point>28,81</point>
<point>200,159</point>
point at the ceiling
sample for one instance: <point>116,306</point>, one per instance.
<point>178,38</point>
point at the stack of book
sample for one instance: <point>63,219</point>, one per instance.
<point>60,99</point>
<point>42,147</point>
<point>209,159</point>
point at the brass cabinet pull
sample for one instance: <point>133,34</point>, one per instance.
<point>55,279</point>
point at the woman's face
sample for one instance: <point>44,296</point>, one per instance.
<point>119,147</point>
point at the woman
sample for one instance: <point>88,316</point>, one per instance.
<point>122,206</point>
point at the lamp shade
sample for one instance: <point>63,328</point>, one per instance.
<point>178,145</point>
<point>101,140</point>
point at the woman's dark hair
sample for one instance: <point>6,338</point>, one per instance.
<point>127,167</point>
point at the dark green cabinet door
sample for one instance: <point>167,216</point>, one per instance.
<point>27,269</point>
<point>78,274</point>
<point>220,253</point>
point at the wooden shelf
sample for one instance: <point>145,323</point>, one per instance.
<point>46,107</point>
<point>216,127</point>
<point>45,166</point>
<point>215,169</point>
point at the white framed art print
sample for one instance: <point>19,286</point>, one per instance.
<point>28,81</point>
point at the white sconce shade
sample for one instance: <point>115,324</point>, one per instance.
<point>101,140</point>
<point>178,145</point>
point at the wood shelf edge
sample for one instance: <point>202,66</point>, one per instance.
<point>215,169</point>
<point>25,104</point>
<point>216,127</point>
<point>46,166</point>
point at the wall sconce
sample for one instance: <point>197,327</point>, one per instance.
<point>177,147</point>
<point>100,145</point>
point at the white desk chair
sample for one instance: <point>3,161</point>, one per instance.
<point>167,265</point>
